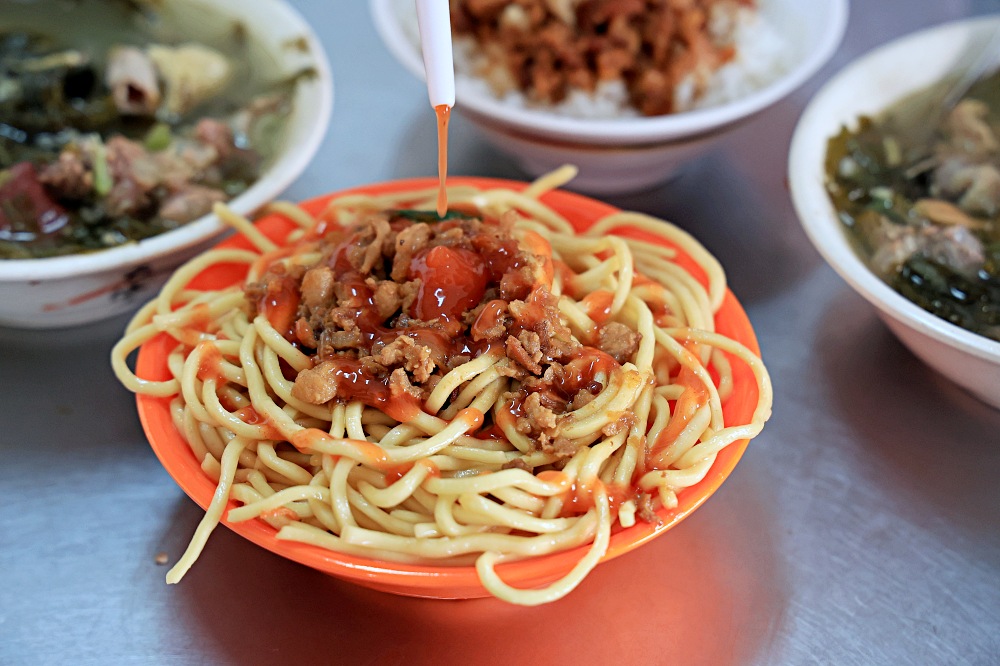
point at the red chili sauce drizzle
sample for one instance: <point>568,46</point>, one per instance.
<point>598,305</point>
<point>280,304</point>
<point>580,497</point>
<point>442,113</point>
<point>310,440</point>
<point>251,416</point>
<point>209,366</point>
<point>355,382</point>
<point>459,268</point>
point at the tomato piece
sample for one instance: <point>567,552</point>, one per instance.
<point>452,280</point>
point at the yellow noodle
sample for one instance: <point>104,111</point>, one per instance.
<point>434,491</point>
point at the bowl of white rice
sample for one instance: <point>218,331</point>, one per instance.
<point>772,47</point>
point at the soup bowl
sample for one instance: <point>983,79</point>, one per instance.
<point>85,287</point>
<point>866,87</point>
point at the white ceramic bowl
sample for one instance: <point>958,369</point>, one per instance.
<point>81,288</point>
<point>866,87</point>
<point>625,154</point>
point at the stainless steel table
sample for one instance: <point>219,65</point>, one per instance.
<point>862,527</point>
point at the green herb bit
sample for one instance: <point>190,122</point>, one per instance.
<point>428,216</point>
<point>159,137</point>
<point>102,174</point>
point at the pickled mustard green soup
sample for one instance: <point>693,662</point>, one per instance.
<point>918,192</point>
<point>122,119</point>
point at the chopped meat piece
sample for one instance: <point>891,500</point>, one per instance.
<point>408,292</point>
<point>453,237</point>
<point>379,227</point>
<point>983,195</point>
<point>190,203</point>
<point>485,8</point>
<point>390,297</point>
<point>540,313</point>
<point>541,417</point>
<point>517,352</point>
<point>341,340</point>
<point>560,446</point>
<point>387,299</point>
<point>317,286</point>
<point>457,360</point>
<point>415,358</point>
<point>516,284</point>
<point>622,423</point>
<point>976,187</point>
<point>508,368</point>
<point>531,343</point>
<point>618,341</point>
<point>187,158</point>
<point>128,159</point>
<point>341,331</point>
<point>581,399</point>
<point>956,247</point>
<point>517,463</point>
<point>645,511</point>
<point>399,384</point>
<point>953,246</point>
<point>127,198</point>
<point>134,176</point>
<point>304,332</point>
<point>408,242</point>
<point>968,128</point>
<point>489,321</point>
<point>556,339</point>
<point>316,385</point>
<point>653,90</point>
<point>68,177</point>
<point>216,134</point>
<point>374,367</point>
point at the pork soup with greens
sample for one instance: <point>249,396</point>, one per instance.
<point>123,126</point>
<point>918,191</point>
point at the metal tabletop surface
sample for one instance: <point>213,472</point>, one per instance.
<point>861,527</point>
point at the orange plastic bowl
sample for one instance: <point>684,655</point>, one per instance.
<point>430,580</point>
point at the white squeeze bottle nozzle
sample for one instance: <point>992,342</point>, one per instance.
<point>434,23</point>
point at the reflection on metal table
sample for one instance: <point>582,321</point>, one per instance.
<point>862,526</point>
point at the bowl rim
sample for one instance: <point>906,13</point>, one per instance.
<point>817,215</point>
<point>290,163</point>
<point>441,581</point>
<point>627,130</point>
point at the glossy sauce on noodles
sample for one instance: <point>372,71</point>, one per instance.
<point>356,382</point>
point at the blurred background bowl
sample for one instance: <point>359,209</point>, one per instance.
<point>868,86</point>
<point>625,154</point>
<point>86,287</point>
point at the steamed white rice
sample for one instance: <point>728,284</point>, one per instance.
<point>761,57</point>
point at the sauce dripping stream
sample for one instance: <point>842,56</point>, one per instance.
<point>443,112</point>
